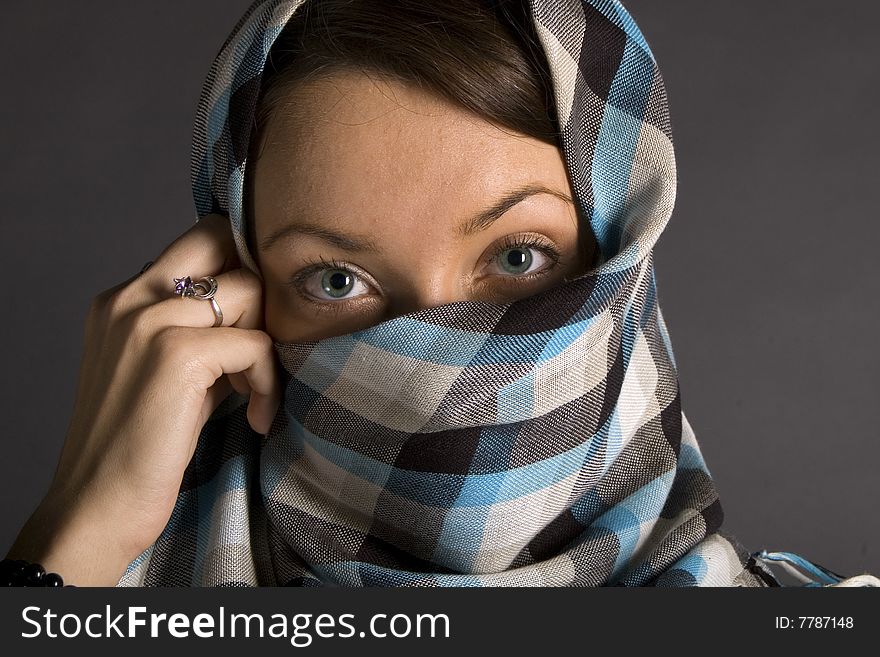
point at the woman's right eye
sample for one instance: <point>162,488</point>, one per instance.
<point>333,284</point>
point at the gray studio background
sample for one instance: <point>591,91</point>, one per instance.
<point>767,272</point>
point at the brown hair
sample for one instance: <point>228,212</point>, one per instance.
<point>482,54</point>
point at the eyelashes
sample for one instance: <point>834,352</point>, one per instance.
<point>537,243</point>
<point>313,278</point>
<point>516,262</point>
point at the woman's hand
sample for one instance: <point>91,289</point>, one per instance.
<point>153,371</point>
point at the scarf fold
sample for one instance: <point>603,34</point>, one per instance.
<point>535,443</point>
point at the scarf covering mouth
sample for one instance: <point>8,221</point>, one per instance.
<point>536,443</point>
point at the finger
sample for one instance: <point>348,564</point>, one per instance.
<point>119,286</point>
<point>206,249</point>
<point>216,394</point>
<point>238,295</point>
<point>262,410</point>
<point>239,383</point>
<point>201,356</point>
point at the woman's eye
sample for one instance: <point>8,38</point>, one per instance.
<point>334,285</point>
<point>519,260</point>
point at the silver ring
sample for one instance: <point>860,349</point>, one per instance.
<point>203,289</point>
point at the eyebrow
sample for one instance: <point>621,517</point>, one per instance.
<point>491,214</point>
<point>476,224</point>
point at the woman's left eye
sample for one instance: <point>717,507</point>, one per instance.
<point>519,260</point>
<point>522,259</point>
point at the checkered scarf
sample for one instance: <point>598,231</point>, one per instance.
<point>536,443</point>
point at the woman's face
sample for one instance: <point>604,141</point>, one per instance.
<point>373,199</point>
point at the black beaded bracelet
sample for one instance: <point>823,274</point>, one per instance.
<point>18,572</point>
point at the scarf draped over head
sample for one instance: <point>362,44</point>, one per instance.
<point>536,443</point>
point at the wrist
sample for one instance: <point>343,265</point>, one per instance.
<point>19,572</point>
<point>77,547</point>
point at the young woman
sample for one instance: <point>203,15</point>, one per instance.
<point>438,220</point>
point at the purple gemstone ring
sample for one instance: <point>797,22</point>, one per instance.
<point>203,289</point>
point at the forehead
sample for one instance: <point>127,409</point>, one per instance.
<point>353,143</point>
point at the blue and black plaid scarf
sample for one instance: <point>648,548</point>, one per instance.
<point>536,443</point>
